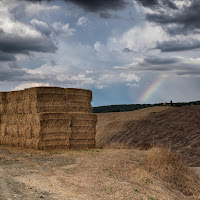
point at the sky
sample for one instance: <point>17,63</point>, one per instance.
<point>125,51</point>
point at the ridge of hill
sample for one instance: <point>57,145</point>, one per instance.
<point>175,128</point>
<point>131,107</point>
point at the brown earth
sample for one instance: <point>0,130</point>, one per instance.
<point>112,174</point>
<point>89,175</point>
<point>175,128</point>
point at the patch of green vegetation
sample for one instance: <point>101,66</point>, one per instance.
<point>110,174</point>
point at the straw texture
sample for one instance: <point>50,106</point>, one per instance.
<point>47,118</point>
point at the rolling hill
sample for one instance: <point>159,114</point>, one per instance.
<point>177,128</point>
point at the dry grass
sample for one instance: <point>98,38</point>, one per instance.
<point>116,145</point>
<point>111,123</point>
<point>106,174</point>
<point>168,166</point>
<point>156,170</point>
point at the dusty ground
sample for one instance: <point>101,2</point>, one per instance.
<point>103,174</point>
<point>111,123</point>
<point>175,128</point>
<point>78,175</point>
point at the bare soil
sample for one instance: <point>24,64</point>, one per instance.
<point>106,174</point>
<point>79,175</point>
<point>175,128</point>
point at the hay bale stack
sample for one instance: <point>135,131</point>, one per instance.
<point>47,117</point>
<point>78,100</point>
<point>2,102</point>
<point>36,100</point>
<point>55,130</point>
<point>83,127</point>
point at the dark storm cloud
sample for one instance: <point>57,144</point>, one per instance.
<point>187,18</point>
<point>160,60</point>
<point>10,43</point>
<point>127,50</point>
<point>6,57</point>
<point>10,73</point>
<point>178,45</point>
<point>95,5</point>
<point>156,3</point>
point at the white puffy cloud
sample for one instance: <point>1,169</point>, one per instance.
<point>139,38</point>
<point>82,21</point>
<point>60,28</point>
<point>37,8</point>
<point>129,77</point>
<point>24,85</point>
<point>41,26</point>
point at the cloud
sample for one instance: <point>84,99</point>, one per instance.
<point>186,17</point>
<point>36,9</point>
<point>178,45</point>
<point>155,60</point>
<point>139,38</point>
<point>6,57</point>
<point>174,66</point>
<point>10,73</point>
<point>19,38</point>
<point>24,85</point>
<point>127,50</point>
<point>41,26</point>
<point>60,28</point>
<point>82,21</point>
<point>20,9</point>
<point>95,5</point>
<point>156,3</point>
<point>11,43</point>
<point>129,77</point>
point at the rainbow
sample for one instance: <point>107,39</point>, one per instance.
<point>151,90</point>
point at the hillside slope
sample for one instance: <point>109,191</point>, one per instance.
<point>176,128</point>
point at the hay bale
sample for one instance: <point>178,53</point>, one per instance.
<point>57,136</point>
<point>49,107</point>
<point>82,146</point>
<point>3,97</point>
<point>49,116</point>
<point>22,142</point>
<point>83,135</point>
<point>55,125</point>
<point>79,109</point>
<point>77,122</point>
<point>77,104</point>
<point>3,130</point>
<point>84,116</point>
<point>2,108</point>
<point>36,132</point>
<point>46,117</point>
<point>83,129</point>
<point>46,97</point>
<point>78,98</point>
<point>52,144</point>
<point>12,130</point>
<point>75,91</point>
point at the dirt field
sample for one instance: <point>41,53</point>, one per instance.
<point>111,123</point>
<point>79,175</point>
<point>175,128</point>
<point>111,174</point>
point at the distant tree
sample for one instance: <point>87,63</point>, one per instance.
<point>171,103</point>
